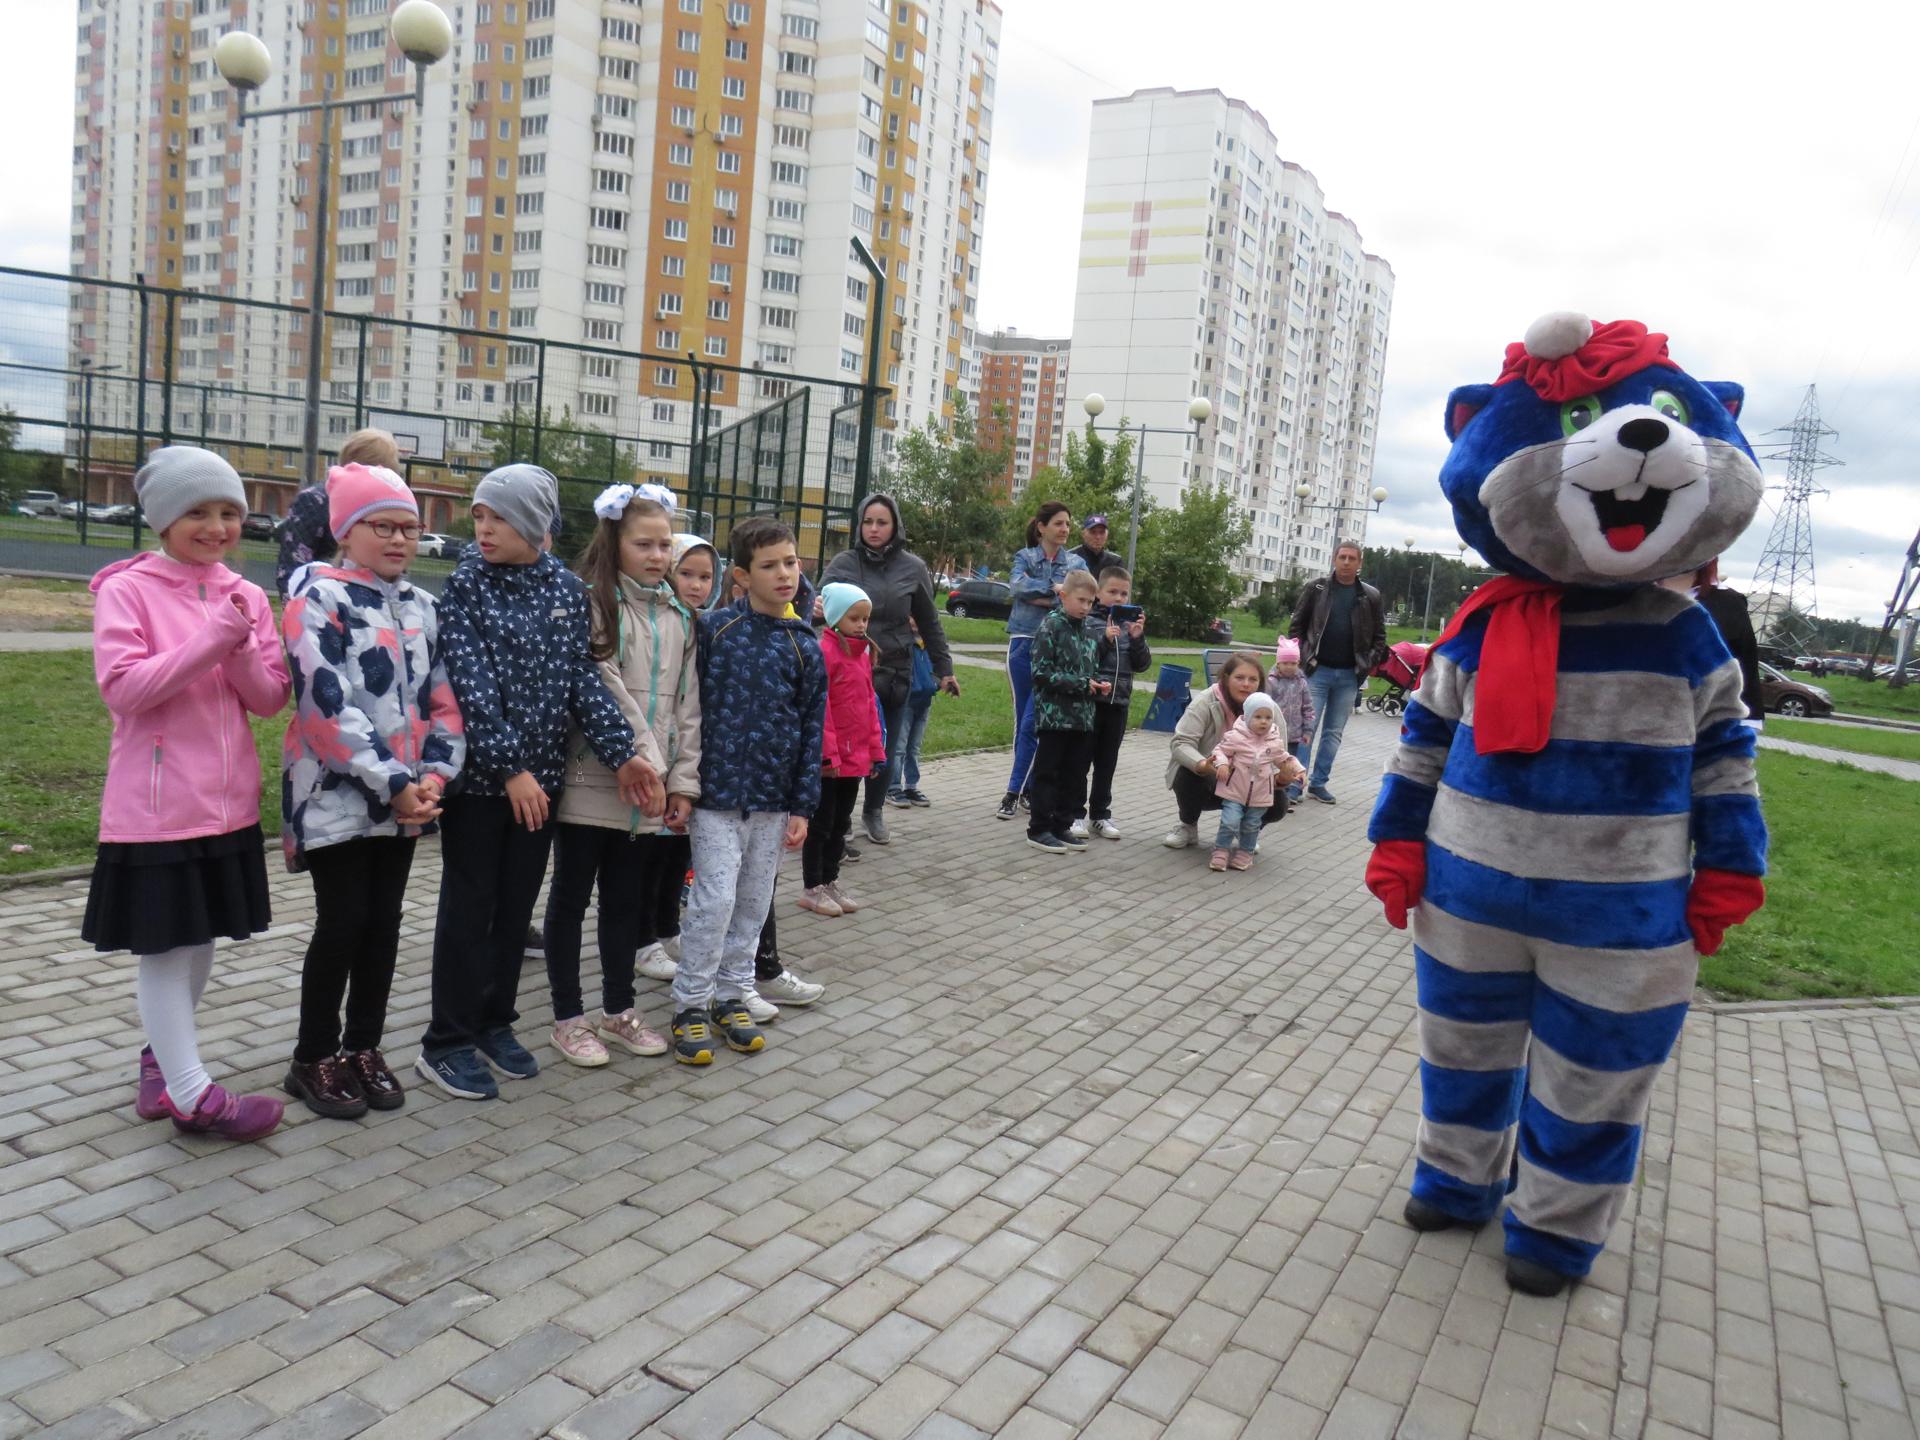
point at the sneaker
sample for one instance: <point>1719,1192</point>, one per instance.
<point>1026,802</point>
<point>625,1030</point>
<point>1218,860</point>
<point>874,822</point>
<point>536,940</point>
<point>763,1010</point>
<point>850,856</point>
<point>1009,807</point>
<point>899,799</point>
<point>1106,829</point>
<point>1077,830</point>
<point>1242,860</point>
<point>1294,792</point>
<point>735,1023</point>
<point>820,901</point>
<point>656,964</point>
<point>230,1117</point>
<point>672,946</point>
<point>577,1043</point>
<point>328,1086</point>
<point>1322,794</point>
<point>1181,836</point>
<point>378,1083</point>
<point>1051,844</point>
<point>506,1056</point>
<point>789,989</point>
<point>918,799</point>
<point>150,1099</point>
<point>840,897</point>
<point>693,1038</point>
<point>461,1073</point>
<point>1075,843</point>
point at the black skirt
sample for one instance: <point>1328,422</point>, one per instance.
<point>159,895</point>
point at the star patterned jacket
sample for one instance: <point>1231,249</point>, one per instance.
<point>516,645</point>
<point>763,708</point>
<point>372,707</point>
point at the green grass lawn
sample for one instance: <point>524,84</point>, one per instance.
<point>1841,886</point>
<point>1854,696</point>
<point>1894,744</point>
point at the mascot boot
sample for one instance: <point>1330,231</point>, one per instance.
<point>1571,817</point>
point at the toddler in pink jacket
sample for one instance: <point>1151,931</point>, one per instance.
<point>183,650</point>
<point>1245,763</point>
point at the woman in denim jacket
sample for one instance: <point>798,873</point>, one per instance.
<point>1037,573</point>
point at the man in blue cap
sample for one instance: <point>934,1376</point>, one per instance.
<point>1093,545</point>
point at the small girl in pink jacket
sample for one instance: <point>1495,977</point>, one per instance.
<point>183,650</point>
<point>852,746</point>
<point>1244,765</point>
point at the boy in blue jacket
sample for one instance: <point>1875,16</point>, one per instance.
<point>514,626</point>
<point>763,703</point>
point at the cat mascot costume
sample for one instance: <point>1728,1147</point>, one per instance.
<point>1571,818</point>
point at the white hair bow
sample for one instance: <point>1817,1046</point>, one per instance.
<point>660,495</point>
<point>611,503</point>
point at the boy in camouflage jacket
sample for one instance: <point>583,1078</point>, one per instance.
<point>1066,686</point>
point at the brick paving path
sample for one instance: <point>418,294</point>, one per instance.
<point>1103,1145</point>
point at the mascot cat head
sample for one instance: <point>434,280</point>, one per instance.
<point>1595,460</point>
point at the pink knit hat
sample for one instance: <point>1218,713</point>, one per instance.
<point>355,491</point>
<point>1286,652</point>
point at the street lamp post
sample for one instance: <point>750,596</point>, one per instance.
<point>1198,409</point>
<point>87,371</point>
<point>425,35</point>
<point>1433,564</point>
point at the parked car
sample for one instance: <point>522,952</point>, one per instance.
<point>1782,695</point>
<point>113,514</point>
<point>1219,631</point>
<point>41,504</point>
<point>70,509</point>
<point>435,546</point>
<point>989,599</point>
<point>259,525</point>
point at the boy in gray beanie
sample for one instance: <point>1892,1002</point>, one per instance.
<point>175,478</point>
<point>525,496</point>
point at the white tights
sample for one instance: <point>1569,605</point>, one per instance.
<point>168,988</point>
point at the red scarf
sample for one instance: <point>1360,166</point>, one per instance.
<point>1513,693</point>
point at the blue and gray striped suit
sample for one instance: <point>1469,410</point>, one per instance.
<point>1554,964</point>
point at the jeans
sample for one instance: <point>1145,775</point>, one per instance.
<point>735,862</point>
<point>621,866</point>
<point>490,873</point>
<point>1239,825</point>
<point>1020,673</point>
<point>826,841</point>
<point>1109,729</point>
<point>904,771</point>
<point>1333,690</point>
<point>1060,761</point>
<point>891,691</point>
<point>357,889</point>
<point>1300,750</point>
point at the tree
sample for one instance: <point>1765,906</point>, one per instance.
<point>23,470</point>
<point>945,481</point>
<point>1094,478</point>
<point>570,449</point>
<point>1185,572</point>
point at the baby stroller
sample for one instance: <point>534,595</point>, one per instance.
<point>1401,671</point>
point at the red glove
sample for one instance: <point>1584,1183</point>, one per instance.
<point>1720,898</point>
<point>1397,874</point>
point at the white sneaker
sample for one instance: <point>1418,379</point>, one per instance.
<point>1181,836</point>
<point>656,964</point>
<point>1078,829</point>
<point>672,946</point>
<point>789,989</point>
<point>1106,829</point>
<point>761,1010</point>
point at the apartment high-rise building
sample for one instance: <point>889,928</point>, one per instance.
<point>1021,401</point>
<point>1210,266</point>
<point>681,178</point>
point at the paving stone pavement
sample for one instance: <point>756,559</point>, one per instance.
<point>1101,1145</point>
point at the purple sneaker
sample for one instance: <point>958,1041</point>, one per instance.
<point>229,1116</point>
<point>151,1101</point>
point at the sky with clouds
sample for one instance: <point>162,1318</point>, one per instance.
<point>1745,177</point>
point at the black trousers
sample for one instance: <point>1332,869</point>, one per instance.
<point>621,866</point>
<point>357,889</point>
<point>1060,761</point>
<point>1193,793</point>
<point>826,843</point>
<point>661,920</point>
<point>1109,729</point>
<point>892,689</point>
<point>490,874</point>
<point>767,963</point>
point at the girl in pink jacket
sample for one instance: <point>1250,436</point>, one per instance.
<point>1245,763</point>
<point>183,650</point>
<point>851,746</point>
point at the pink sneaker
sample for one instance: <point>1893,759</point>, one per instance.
<point>626,1031</point>
<point>1242,860</point>
<point>820,901</point>
<point>845,901</point>
<point>150,1102</point>
<point>229,1116</point>
<point>577,1043</point>
<point>1217,860</point>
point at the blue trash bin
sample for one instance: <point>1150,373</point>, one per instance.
<point>1171,696</point>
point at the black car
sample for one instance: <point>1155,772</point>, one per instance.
<point>989,599</point>
<point>1219,631</point>
<point>259,525</point>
